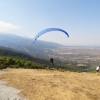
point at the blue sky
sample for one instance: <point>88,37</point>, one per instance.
<point>80,18</point>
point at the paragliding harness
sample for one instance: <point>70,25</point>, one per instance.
<point>51,60</point>
<point>0,63</point>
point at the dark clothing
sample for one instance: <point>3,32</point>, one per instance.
<point>97,70</point>
<point>51,60</point>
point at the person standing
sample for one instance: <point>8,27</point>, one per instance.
<point>97,69</point>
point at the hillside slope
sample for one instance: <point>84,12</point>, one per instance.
<point>15,58</point>
<point>39,48</point>
<point>15,53</point>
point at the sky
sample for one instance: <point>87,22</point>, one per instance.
<point>80,18</point>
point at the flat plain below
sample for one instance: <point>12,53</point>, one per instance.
<point>38,84</point>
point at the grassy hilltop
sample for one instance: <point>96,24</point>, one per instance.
<point>44,84</point>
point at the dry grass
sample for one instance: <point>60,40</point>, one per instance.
<point>54,85</point>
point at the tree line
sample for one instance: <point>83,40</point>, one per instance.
<point>14,62</point>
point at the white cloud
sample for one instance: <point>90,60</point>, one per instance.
<point>7,27</point>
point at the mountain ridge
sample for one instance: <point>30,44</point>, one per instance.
<point>23,44</point>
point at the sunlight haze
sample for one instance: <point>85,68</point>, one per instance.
<point>80,18</point>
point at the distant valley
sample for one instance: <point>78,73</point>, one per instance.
<point>80,54</point>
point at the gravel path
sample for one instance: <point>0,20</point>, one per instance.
<point>8,93</point>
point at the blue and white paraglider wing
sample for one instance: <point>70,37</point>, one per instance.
<point>47,30</point>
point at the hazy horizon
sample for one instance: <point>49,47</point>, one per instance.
<point>90,45</point>
<point>80,18</point>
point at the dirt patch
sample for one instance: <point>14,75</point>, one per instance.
<point>53,85</point>
<point>8,93</point>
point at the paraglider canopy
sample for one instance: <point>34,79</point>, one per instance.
<point>47,30</point>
